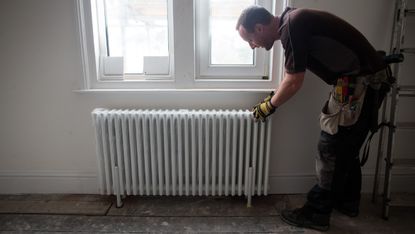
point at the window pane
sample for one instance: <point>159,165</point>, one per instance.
<point>226,45</point>
<point>136,28</point>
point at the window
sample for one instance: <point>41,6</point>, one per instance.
<point>133,38</point>
<point>221,52</point>
<point>135,30</point>
<point>166,44</point>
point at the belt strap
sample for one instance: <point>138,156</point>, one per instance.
<point>366,150</point>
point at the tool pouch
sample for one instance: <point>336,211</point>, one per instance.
<point>340,111</point>
<point>336,114</point>
<point>330,116</point>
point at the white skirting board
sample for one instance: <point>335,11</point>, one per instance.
<point>17,182</point>
<point>22,182</point>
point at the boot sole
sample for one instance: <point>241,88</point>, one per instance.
<point>318,228</point>
<point>347,213</point>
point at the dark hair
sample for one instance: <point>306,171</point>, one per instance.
<point>253,15</point>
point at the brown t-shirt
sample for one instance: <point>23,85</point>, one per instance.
<point>326,45</point>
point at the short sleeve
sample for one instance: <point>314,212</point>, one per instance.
<point>294,39</point>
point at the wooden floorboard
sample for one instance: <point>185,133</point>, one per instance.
<point>155,214</point>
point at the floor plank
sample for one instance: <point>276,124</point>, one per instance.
<point>55,204</point>
<point>198,206</point>
<point>154,214</point>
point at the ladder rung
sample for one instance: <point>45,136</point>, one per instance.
<point>405,125</point>
<point>410,11</point>
<point>407,90</point>
<point>408,50</point>
<point>407,94</point>
<point>402,203</point>
<point>406,163</point>
<point>402,199</point>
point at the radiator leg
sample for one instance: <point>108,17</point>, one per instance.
<point>117,187</point>
<point>250,173</point>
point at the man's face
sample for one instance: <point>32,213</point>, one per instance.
<point>261,37</point>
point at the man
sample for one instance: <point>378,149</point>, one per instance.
<point>342,57</point>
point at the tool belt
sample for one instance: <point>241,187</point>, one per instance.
<point>346,100</point>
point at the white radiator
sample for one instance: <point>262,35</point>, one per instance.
<point>181,152</point>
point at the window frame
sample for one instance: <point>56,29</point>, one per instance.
<point>183,67</point>
<point>204,69</point>
<point>100,23</point>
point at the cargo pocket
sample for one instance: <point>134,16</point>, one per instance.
<point>350,112</point>
<point>330,116</point>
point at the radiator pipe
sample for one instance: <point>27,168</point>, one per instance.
<point>117,187</point>
<point>250,173</point>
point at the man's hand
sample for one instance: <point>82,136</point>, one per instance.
<point>264,109</point>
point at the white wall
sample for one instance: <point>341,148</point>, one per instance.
<point>47,140</point>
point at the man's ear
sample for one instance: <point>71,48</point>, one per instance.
<point>258,28</point>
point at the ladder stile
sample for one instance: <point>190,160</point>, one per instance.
<point>380,152</point>
<point>389,113</point>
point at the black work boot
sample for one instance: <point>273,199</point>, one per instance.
<point>350,209</point>
<point>303,217</point>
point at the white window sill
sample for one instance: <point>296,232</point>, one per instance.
<point>86,91</point>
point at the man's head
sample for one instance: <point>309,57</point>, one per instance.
<point>257,26</point>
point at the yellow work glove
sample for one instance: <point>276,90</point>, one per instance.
<point>264,109</point>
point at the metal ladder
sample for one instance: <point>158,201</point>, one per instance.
<point>389,114</point>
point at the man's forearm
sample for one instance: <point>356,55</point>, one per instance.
<point>288,87</point>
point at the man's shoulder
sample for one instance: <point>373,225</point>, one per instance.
<point>302,15</point>
<point>294,21</point>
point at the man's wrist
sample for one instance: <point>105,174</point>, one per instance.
<point>272,105</point>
